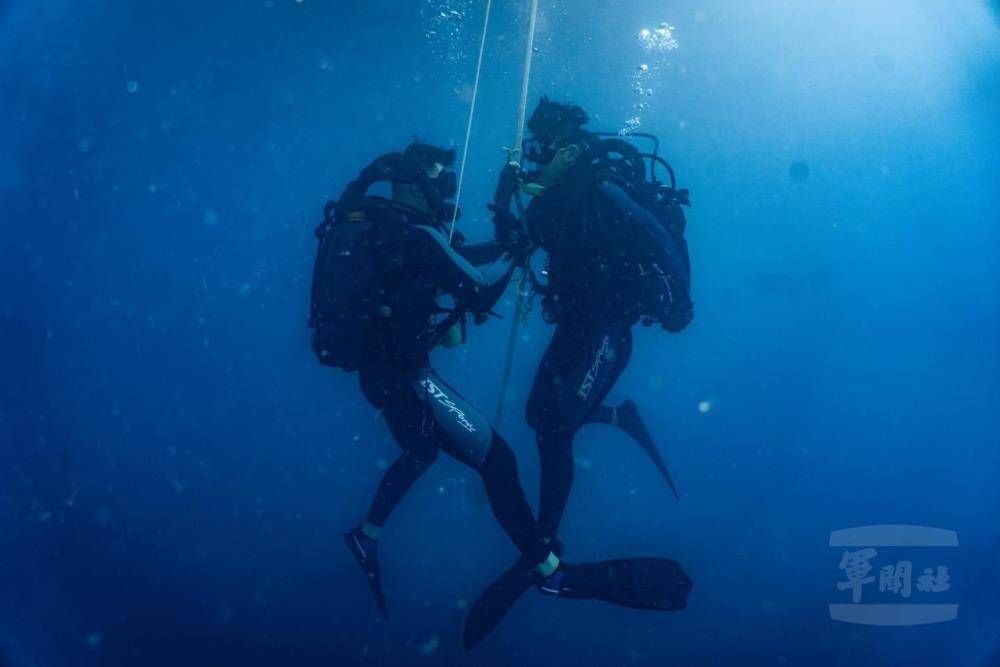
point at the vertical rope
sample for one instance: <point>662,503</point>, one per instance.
<point>472,115</point>
<point>522,292</point>
<point>519,315</point>
<point>526,78</point>
<point>522,283</point>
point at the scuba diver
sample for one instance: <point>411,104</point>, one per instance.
<point>616,255</point>
<point>381,266</point>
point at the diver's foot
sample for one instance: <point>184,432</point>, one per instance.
<point>552,584</point>
<point>562,582</point>
<point>365,552</point>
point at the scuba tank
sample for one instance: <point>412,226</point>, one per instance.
<point>343,302</point>
<point>662,278</point>
<point>348,294</point>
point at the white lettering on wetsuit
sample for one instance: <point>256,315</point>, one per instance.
<point>588,380</point>
<point>442,399</point>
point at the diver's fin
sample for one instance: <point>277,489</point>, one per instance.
<point>494,602</point>
<point>657,584</point>
<point>630,422</point>
<point>365,552</point>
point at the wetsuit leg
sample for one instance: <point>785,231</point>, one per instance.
<point>604,414</point>
<point>395,483</point>
<point>426,415</point>
<point>407,421</point>
<point>466,435</point>
<point>578,370</point>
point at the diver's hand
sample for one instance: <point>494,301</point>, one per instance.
<point>519,246</point>
<point>506,227</point>
<point>678,316</point>
<point>507,184</point>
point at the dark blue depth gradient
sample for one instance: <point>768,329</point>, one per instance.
<point>176,470</point>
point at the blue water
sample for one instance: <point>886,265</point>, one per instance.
<point>176,469</point>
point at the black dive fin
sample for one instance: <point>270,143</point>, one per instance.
<point>375,583</point>
<point>494,603</point>
<point>630,422</point>
<point>654,454</point>
<point>369,566</point>
<point>657,584</point>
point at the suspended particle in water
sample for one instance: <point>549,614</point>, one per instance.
<point>430,646</point>
<point>210,217</point>
<point>132,86</point>
<point>798,171</point>
<point>94,639</point>
<point>885,62</point>
<point>704,407</point>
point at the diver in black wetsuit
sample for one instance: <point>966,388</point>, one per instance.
<point>414,264</point>
<point>610,263</point>
<point>381,267</point>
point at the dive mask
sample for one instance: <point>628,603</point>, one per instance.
<point>446,184</point>
<point>539,151</point>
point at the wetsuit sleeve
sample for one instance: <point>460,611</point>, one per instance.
<point>642,237</point>
<point>478,288</point>
<point>482,253</point>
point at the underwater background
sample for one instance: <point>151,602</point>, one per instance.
<point>176,470</point>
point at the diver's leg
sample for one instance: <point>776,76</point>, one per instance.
<point>405,417</point>
<point>395,483</point>
<point>604,414</point>
<point>508,502</point>
<point>555,456</point>
<point>464,434</point>
<point>578,370</point>
<point>626,415</point>
<point>407,421</point>
<point>553,436</point>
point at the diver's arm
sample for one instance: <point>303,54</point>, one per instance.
<point>478,254</point>
<point>629,225</point>
<point>475,287</point>
<point>659,256</point>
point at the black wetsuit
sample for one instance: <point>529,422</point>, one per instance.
<point>595,236</point>
<point>424,413</point>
